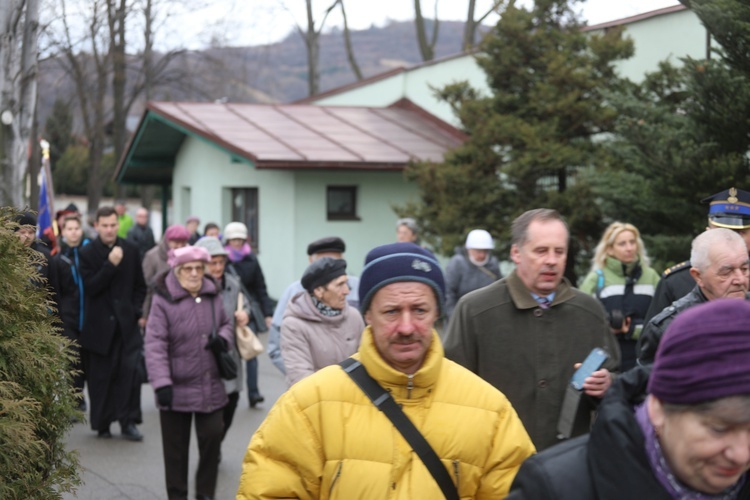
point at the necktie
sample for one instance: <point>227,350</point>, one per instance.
<point>544,302</point>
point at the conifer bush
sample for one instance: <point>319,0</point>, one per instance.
<point>37,402</point>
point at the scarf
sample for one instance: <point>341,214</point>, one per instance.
<point>676,488</point>
<point>478,263</point>
<point>237,255</point>
<point>324,309</point>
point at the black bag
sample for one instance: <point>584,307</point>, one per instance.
<point>141,373</point>
<point>224,361</point>
<point>257,318</point>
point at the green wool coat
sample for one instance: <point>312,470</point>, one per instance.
<point>500,333</point>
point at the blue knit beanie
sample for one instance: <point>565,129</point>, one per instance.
<point>398,262</point>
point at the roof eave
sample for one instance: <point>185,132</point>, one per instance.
<point>323,165</point>
<point>638,17</point>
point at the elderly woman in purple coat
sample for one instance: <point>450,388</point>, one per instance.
<point>181,362</point>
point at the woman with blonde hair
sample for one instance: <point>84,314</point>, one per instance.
<point>624,283</point>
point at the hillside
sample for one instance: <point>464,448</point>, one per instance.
<point>272,73</point>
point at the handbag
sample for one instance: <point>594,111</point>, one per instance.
<point>384,402</point>
<point>248,343</point>
<point>224,360</point>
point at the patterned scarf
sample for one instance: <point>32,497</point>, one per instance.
<point>237,255</point>
<point>676,488</point>
<point>324,309</point>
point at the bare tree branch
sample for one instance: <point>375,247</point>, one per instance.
<point>426,48</point>
<point>348,44</point>
<point>498,3</point>
<point>470,28</point>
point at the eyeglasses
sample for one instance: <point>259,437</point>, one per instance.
<point>193,269</point>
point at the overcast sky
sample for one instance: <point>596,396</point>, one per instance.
<point>256,22</point>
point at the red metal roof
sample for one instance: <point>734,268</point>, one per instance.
<point>299,136</point>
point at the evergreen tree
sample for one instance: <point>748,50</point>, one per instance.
<point>58,130</point>
<point>681,136</point>
<point>529,139</point>
<point>37,401</point>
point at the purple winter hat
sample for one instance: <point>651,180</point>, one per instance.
<point>177,232</point>
<point>704,354</point>
<point>180,256</point>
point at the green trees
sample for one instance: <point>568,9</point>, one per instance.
<point>58,130</point>
<point>562,130</point>
<point>529,140</point>
<point>36,397</point>
<point>681,136</point>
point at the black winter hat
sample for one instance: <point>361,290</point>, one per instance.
<point>26,219</point>
<point>321,272</point>
<point>330,244</point>
<point>398,262</point>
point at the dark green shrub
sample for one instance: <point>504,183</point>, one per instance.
<point>36,398</point>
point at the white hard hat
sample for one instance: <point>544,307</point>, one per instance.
<point>479,239</point>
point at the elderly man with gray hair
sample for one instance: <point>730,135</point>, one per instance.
<point>720,268</point>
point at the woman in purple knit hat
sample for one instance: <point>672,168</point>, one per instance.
<point>680,432</point>
<point>186,330</point>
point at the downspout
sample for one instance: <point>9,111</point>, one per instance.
<point>164,206</point>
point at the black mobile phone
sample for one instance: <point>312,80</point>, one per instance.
<point>593,362</point>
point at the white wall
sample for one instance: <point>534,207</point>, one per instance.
<point>210,174</point>
<point>292,207</point>
<point>667,37</point>
<point>415,84</point>
<point>376,194</point>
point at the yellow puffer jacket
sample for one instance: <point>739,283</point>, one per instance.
<point>325,439</point>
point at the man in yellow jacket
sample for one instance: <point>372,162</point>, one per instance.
<point>324,438</point>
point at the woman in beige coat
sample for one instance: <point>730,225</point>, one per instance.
<point>319,327</point>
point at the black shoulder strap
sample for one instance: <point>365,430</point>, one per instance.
<point>385,403</point>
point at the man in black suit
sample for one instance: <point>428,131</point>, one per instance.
<point>111,340</point>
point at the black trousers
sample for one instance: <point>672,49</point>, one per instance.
<point>175,438</point>
<point>229,410</point>
<point>114,388</point>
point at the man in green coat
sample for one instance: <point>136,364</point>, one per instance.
<point>525,334</point>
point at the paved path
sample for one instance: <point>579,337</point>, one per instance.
<point>116,469</point>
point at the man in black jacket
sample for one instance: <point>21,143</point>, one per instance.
<point>720,268</point>
<point>141,234</point>
<point>111,340</point>
<point>729,209</point>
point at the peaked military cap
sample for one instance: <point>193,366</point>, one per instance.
<point>729,209</point>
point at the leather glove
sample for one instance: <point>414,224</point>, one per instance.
<point>164,396</point>
<point>216,344</point>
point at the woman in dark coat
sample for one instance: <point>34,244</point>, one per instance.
<point>244,264</point>
<point>688,439</point>
<point>181,360</point>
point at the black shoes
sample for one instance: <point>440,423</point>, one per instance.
<point>254,400</point>
<point>203,497</point>
<point>104,434</point>
<point>131,433</point>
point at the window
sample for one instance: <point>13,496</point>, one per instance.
<point>342,203</point>
<point>245,210</point>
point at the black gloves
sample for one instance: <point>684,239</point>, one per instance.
<point>164,396</point>
<point>216,344</point>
